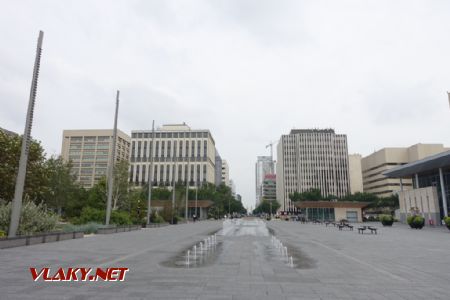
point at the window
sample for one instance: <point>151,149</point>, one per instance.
<point>180,151</point>
<point>186,152</point>
<point>205,148</point>
<point>143,173</point>
<point>136,180</point>
<point>157,149</point>
<point>192,148</point>
<point>163,144</point>
<point>131,173</point>
<point>169,144</point>
<point>161,174</point>
<point>139,149</point>
<point>198,148</point>
<point>145,149</point>
<point>204,173</point>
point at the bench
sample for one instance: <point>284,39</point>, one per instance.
<point>340,226</point>
<point>372,229</point>
<point>361,229</point>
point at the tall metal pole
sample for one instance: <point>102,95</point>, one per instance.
<point>150,175</point>
<point>196,201</point>
<point>187,181</point>
<point>20,180</point>
<point>112,161</point>
<point>173,191</point>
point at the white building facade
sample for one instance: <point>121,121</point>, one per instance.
<point>179,154</point>
<point>311,158</point>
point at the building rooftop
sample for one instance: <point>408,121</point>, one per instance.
<point>429,163</point>
<point>297,131</point>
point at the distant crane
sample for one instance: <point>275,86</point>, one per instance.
<point>271,156</point>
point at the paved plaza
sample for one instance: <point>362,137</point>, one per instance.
<point>397,263</point>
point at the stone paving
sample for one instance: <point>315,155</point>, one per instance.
<point>397,263</point>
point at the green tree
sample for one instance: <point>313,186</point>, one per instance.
<point>265,207</point>
<point>309,195</point>
<point>62,192</point>
<point>121,185</point>
<point>36,178</point>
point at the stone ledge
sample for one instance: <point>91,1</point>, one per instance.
<point>39,239</point>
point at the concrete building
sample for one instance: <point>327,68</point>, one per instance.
<point>430,195</point>
<point>218,169</point>
<point>179,153</point>
<point>225,173</point>
<point>311,158</point>
<point>374,165</point>
<point>355,173</point>
<point>264,165</point>
<point>269,187</point>
<point>332,211</point>
<point>89,150</point>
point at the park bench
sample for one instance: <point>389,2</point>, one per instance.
<point>341,226</point>
<point>361,229</point>
<point>372,229</point>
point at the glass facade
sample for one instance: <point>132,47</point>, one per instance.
<point>322,214</point>
<point>432,179</point>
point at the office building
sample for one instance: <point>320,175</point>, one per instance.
<point>374,165</point>
<point>269,187</point>
<point>179,153</point>
<point>89,150</point>
<point>355,173</point>
<point>263,166</point>
<point>311,158</point>
<point>225,173</point>
<point>218,169</point>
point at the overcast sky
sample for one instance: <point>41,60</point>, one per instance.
<point>248,71</point>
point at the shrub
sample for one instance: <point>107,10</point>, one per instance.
<point>2,234</point>
<point>33,218</point>
<point>386,220</point>
<point>120,218</point>
<point>94,215</point>
<point>158,219</point>
<point>416,222</point>
<point>447,222</point>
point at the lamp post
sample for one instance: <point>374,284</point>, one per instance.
<point>187,176</point>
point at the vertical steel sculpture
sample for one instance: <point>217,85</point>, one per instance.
<point>20,180</point>
<point>112,162</point>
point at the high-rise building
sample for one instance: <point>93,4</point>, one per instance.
<point>263,166</point>
<point>218,169</point>
<point>89,150</point>
<point>375,164</point>
<point>311,158</point>
<point>269,187</point>
<point>355,173</point>
<point>225,173</point>
<point>179,153</point>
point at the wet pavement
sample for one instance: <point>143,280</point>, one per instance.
<point>241,259</point>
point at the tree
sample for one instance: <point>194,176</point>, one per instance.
<point>121,185</point>
<point>62,191</point>
<point>265,207</point>
<point>36,177</point>
<point>309,195</point>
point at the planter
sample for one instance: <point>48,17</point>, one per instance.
<point>416,222</point>
<point>386,220</point>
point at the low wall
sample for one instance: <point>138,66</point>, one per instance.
<point>109,230</point>
<point>39,239</point>
<point>155,225</point>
